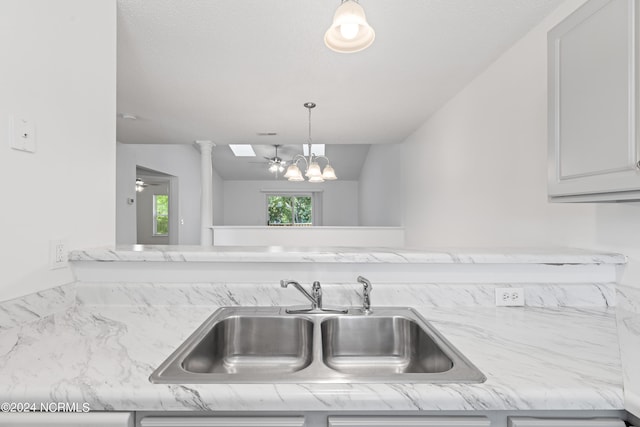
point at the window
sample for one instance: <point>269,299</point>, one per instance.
<point>289,210</point>
<point>160,215</point>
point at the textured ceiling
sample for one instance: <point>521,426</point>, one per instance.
<point>225,70</point>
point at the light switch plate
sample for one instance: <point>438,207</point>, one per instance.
<point>22,134</point>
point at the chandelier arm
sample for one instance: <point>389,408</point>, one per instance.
<point>322,157</point>
<point>299,157</point>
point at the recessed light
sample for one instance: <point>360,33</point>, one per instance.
<point>242,150</point>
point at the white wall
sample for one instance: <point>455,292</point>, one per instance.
<point>181,161</point>
<point>59,70</point>
<point>245,203</point>
<point>218,199</point>
<point>380,187</point>
<point>482,159</point>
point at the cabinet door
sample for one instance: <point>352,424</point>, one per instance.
<point>564,422</point>
<point>408,421</point>
<point>92,419</point>
<point>592,103</point>
<point>222,422</point>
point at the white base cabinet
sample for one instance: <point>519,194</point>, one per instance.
<point>385,419</point>
<point>90,419</point>
<point>222,422</point>
<point>407,421</point>
<point>565,422</point>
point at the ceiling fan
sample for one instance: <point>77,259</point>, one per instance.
<point>276,164</point>
<point>141,185</point>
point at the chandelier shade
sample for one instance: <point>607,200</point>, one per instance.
<point>328,173</point>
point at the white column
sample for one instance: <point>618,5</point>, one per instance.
<point>206,197</point>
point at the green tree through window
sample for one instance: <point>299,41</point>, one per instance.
<point>290,210</point>
<point>160,215</point>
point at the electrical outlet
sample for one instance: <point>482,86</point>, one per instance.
<point>57,254</point>
<point>509,297</point>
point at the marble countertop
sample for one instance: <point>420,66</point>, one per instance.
<point>534,358</point>
<point>147,253</point>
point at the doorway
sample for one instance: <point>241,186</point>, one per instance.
<point>156,207</point>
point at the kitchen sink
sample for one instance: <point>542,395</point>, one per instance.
<point>268,345</point>
<point>380,345</point>
<point>251,345</point>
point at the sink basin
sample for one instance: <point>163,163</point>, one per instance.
<point>380,345</point>
<point>251,344</point>
<point>268,345</point>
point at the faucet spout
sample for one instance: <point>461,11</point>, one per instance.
<point>316,298</point>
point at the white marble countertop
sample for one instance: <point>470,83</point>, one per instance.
<point>147,253</point>
<point>534,358</point>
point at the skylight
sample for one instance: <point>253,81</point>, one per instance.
<point>317,149</point>
<point>242,150</point>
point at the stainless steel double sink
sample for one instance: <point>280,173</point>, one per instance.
<point>269,345</point>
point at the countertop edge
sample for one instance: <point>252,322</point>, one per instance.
<point>278,254</point>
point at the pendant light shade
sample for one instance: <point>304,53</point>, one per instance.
<point>293,173</point>
<point>314,170</point>
<point>328,173</point>
<point>350,31</point>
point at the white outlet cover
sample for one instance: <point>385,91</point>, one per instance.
<point>509,297</point>
<point>58,260</point>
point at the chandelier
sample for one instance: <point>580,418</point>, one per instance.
<point>312,164</point>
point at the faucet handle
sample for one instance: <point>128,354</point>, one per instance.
<point>366,294</point>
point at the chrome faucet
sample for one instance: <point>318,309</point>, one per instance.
<point>315,297</point>
<point>366,292</point>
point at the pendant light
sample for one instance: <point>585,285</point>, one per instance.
<point>349,31</point>
<point>313,171</point>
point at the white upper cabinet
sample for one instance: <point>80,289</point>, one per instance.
<point>593,148</point>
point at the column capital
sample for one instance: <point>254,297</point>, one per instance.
<point>205,145</point>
